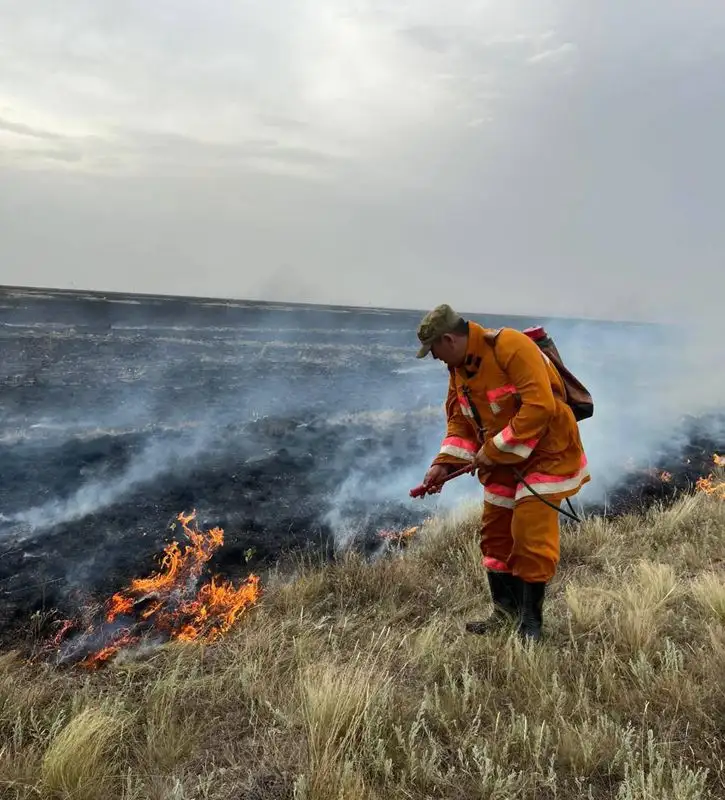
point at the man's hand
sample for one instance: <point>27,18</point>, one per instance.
<point>483,462</point>
<point>484,465</point>
<point>433,478</point>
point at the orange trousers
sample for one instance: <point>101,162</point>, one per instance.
<point>523,540</point>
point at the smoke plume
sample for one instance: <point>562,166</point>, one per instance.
<point>653,387</point>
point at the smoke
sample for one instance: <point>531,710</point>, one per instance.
<point>653,387</point>
<point>263,364</point>
<point>380,480</point>
<point>370,483</point>
<point>349,412</point>
<point>156,459</point>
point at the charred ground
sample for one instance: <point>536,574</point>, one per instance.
<point>282,426</point>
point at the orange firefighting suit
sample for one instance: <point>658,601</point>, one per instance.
<point>525,422</point>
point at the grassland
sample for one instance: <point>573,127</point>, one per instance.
<point>357,681</point>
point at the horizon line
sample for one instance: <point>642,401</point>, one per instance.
<point>102,294</point>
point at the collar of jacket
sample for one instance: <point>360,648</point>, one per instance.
<point>477,341</point>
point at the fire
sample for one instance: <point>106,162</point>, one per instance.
<point>118,605</point>
<point>661,475</point>
<point>399,536</point>
<point>712,484</point>
<point>64,628</point>
<point>167,604</point>
<point>709,486</point>
<point>216,609</point>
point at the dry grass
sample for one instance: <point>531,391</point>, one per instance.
<point>357,681</point>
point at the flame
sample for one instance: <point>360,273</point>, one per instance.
<point>398,536</point>
<point>167,602</point>
<point>713,484</point>
<point>65,626</point>
<point>216,608</point>
<point>95,660</point>
<point>119,606</point>
<point>660,474</point>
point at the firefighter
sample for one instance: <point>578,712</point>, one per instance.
<point>506,414</point>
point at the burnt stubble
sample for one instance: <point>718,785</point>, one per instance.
<point>291,428</point>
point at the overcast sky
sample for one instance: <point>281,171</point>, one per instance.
<point>533,156</point>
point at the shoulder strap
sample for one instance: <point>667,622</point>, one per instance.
<point>491,337</point>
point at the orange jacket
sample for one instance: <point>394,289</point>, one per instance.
<point>526,422</point>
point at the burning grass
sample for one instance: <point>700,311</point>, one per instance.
<point>357,680</point>
<point>167,605</point>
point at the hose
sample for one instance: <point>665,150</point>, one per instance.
<point>571,515</point>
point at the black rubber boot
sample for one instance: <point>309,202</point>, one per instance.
<point>505,592</point>
<point>531,620</point>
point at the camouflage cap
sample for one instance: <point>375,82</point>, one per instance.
<point>442,319</point>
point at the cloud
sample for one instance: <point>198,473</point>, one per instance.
<point>226,75</point>
<point>560,53</point>
<point>26,130</point>
<point>541,156</point>
<point>42,154</point>
<point>317,76</point>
